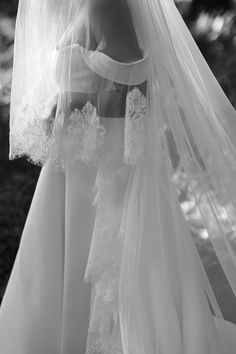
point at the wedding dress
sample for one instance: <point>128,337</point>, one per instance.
<point>106,262</point>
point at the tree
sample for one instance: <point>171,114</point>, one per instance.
<point>208,5</point>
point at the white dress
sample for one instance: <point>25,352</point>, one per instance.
<point>63,296</point>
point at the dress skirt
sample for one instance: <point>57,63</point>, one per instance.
<point>46,295</point>
<point>77,285</point>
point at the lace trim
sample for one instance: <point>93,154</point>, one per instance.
<point>104,261</point>
<point>83,139</point>
<point>104,330</point>
<point>136,113</point>
<point>103,270</point>
<point>41,138</point>
<point>31,136</point>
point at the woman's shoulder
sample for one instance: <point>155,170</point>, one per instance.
<point>112,23</point>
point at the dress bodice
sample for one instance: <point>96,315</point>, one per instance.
<point>80,70</point>
<point>92,88</point>
<point>72,73</point>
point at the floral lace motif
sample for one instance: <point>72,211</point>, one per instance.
<point>33,133</point>
<point>103,270</point>
<point>136,113</point>
<point>41,137</point>
<point>82,139</point>
<point>104,331</point>
<point>104,261</point>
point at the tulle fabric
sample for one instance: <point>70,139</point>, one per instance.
<point>113,85</point>
<point>143,284</point>
<point>84,68</point>
<point>195,114</point>
<point>87,59</point>
<point>164,291</point>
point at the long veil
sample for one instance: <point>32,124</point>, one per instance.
<point>198,114</point>
<point>184,102</point>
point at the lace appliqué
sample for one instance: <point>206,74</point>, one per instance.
<point>136,112</point>
<point>83,139</point>
<point>104,261</point>
<point>104,330</point>
<point>41,137</point>
<point>62,140</point>
<point>32,135</point>
<point>84,127</point>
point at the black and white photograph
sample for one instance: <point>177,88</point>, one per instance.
<point>117,176</point>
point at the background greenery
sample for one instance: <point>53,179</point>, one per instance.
<point>213,25</point>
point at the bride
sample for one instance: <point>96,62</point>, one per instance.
<point>106,263</point>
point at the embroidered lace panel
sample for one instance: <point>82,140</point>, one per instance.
<point>82,138</point>
<point>136,112</point>
<point>104,261</point>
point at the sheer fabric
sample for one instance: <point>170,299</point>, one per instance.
<point>91,73</point>
<point>98,87</point>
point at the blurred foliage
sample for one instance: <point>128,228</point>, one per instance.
<point>18,178</point>
<point>213,25</point>
<point>197,6</point>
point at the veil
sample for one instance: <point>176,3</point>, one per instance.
<point>89,59</point>
<point>56,40</point>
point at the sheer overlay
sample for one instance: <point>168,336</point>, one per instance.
<point>98,88</point>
